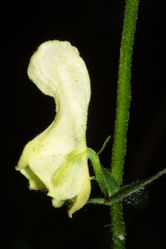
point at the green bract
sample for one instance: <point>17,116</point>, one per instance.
<point>57,158</point>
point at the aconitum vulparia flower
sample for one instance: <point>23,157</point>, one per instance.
<point>57,159</point>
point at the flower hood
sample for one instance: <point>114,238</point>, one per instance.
<point>57,158</point>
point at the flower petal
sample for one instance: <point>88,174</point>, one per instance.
<point>57,158</point>
<point>72,181</point>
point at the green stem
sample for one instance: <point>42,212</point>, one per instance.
<point>124,90</point>
<point>118,226</point>
<point>127,190</point>
<point>122,116</point>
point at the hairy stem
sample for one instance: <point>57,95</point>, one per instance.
<point>127,190</point>
<point>122,116</point>
<point>118,226</point>
<point>124,90</point>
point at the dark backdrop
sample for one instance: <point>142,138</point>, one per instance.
<point>94,27</point>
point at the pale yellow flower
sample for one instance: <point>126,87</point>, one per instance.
<point>57,158</point>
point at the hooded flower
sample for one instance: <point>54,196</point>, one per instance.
<point>57,158</point>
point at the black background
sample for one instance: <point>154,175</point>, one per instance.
<point>94,27</point>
